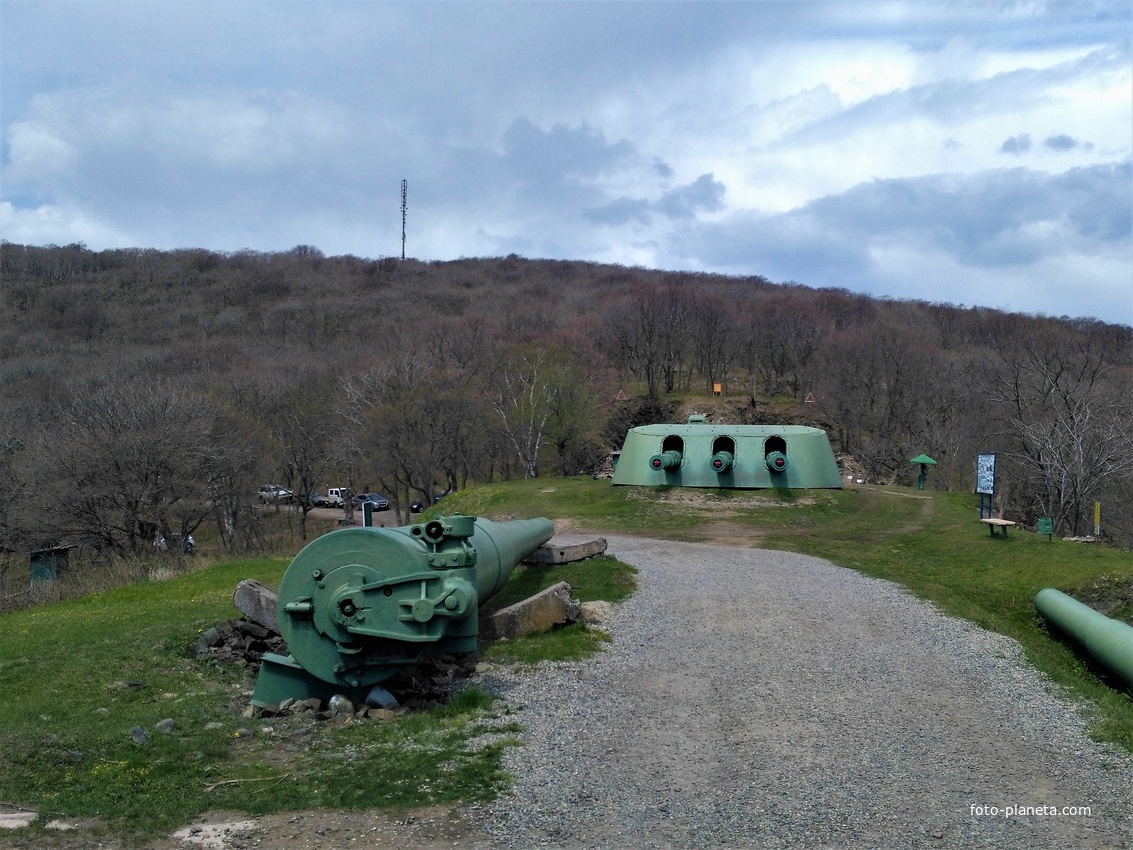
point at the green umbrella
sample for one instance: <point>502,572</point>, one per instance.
<point>923,460</point>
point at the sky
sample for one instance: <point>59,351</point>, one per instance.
<point>967,152</point>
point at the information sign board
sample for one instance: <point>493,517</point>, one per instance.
<point>985,474</point>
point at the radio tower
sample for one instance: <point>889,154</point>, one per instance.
<point>404,193</point>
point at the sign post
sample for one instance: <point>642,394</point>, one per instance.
<point>985,482</point>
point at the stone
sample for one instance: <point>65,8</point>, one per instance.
<point>212,638</point>
<point>540,613</point>
<point>597,613</point>
<point>16,820</point>
<point>165,726</point>
<point>546,555</point>
<point>340,706</point>
<point>139,735</point>
<point>253,630</point>
<point>380,697</point>
<point>258,603</point>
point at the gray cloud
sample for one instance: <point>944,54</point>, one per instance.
<point>620,211</point>
<point>1001,219</point>
<point>1062,143</point>
<point>560,153</point>
<point>1016,144</point>
<point>704,194</point>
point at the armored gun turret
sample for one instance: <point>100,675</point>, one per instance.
<point>699,454</point>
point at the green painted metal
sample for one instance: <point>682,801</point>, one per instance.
<point>777,462</point>
<point>1108,641</point>
<point>282,677</point>
<point>699,454</point>
<point>669,461</point>
<point>723,461</point>
<point>358,604</point>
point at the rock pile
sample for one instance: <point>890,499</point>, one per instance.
<point>417,687</point>
<point>239,642</point>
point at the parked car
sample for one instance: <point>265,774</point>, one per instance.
<point>377,501</point>
<point>335,497</point>
<point>419,505</point>
<point>275,495</point>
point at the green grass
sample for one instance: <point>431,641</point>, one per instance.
<point>78,675</point>
<point>599,578</point>
<point>69,671</point>
<point>570,643</point>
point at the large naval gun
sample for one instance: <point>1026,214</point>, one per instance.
<point>359,604</point>
<point>699,454</point>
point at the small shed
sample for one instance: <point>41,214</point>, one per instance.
<point>48,564</point>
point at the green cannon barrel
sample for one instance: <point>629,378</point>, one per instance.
<point>357,605</point>
<point>777,461</point>
<point>670,460</point>
<point>723,461</point>
<point>1108,641</point>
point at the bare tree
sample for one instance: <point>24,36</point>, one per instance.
<point>523,396</point>
<point>131,461</point>
<point>411,428</point>
<point>651,334</point>
<point>1067,411</point>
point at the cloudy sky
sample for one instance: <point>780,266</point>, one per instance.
<point>972,152</point>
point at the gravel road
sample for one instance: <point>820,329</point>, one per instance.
<point>754,698</point>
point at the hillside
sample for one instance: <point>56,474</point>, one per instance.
<point>214,373</point>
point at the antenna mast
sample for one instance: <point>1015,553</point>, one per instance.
<point>404,194</point>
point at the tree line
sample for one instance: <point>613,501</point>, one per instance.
<point>144,393</point>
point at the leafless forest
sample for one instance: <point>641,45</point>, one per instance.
<point>148,392</point>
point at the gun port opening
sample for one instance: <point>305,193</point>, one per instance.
<point>775,454</point>
<point>723,454</point>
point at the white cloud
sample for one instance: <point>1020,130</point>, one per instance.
<point>56,225</point>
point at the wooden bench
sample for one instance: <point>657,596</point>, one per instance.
<point>993,524</point>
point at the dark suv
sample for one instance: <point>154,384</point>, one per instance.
<point>377,501</point>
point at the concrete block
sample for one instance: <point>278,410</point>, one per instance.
<point>540,613</point>
<point>258,602</point>
<point>567,554</point>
